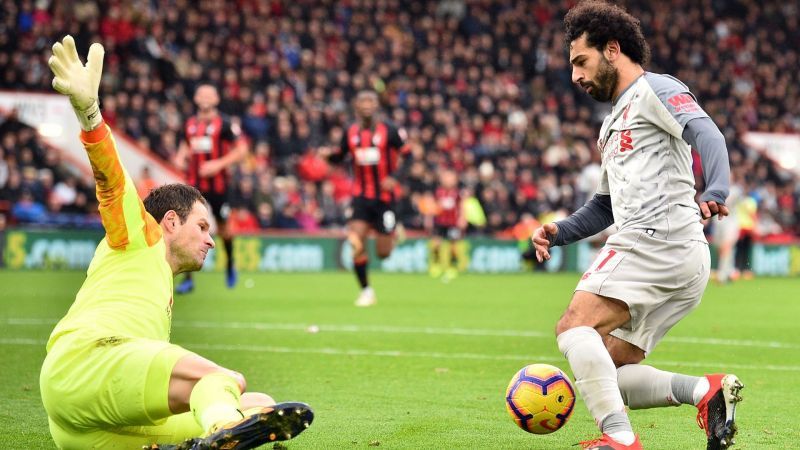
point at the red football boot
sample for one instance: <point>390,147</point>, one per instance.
<point>717,410</point>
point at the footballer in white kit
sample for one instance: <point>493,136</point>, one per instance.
<point>658,261</point>
<point>653,270</point>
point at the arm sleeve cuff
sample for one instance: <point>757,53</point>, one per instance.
<point>96,135</point>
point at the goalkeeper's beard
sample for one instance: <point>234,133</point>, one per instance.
<point>188,261</point>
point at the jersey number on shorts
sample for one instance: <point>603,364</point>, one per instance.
<point>610,254</point>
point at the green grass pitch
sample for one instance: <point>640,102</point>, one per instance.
<point>428,366</point>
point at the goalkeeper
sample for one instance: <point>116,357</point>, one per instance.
<point>111,379</point>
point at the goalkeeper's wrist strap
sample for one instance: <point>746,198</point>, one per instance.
<point>90,117</point>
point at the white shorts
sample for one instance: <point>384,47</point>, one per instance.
<point>660,281</point>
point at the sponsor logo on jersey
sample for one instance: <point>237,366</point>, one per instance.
<point>683,103</point>
<point>625,141</point>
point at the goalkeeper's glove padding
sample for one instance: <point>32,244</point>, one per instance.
<point>78,81</point>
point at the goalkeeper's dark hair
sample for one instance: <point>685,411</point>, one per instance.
<point>603,22</point>
<point>178,197</point>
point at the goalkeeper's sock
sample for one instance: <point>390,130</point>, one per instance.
<point>215,401</point>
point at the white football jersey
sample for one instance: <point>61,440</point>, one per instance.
<point>647,166</point>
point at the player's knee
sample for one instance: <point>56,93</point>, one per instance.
<point>623,355</point>
<point>384,253</point>
<point>567,321</point>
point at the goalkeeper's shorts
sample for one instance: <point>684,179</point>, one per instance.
<point>112,392</point>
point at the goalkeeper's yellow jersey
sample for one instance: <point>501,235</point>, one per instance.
<point>128,287</point>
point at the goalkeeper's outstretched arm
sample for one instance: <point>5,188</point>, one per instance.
<point>123,214</point>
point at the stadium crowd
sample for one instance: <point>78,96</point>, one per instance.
<point>482,87</point>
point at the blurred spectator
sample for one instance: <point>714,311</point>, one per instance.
<point>264,216</point>
<point>311,167</point>
<point>35,187</point>
<point>145,183</point>
<point>242,221</point>
<point>28,210</point>
<point>475,84</point>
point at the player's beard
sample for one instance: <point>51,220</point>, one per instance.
<point>605,81</point>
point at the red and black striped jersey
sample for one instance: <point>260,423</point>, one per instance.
<point>449,202</point>
<point>375,152</point>
<point>209,139</point>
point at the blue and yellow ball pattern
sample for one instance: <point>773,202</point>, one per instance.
<point>540,398</point>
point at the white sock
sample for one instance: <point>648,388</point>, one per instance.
<point>700,390</point>
<point>623,437</point>
<point>645,387</point>
<point>595,375</point>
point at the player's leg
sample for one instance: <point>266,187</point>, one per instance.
<point>452,262</point>
<point>743,248</point>
<point>231,275</point>
<point>358,229</point>
<point>96,389</point>
<point>221,210</point>
<point>384,244</point>
<point>715,396</point>
<point>250,400</point>
<point>175,430</point>
<point>725,261</point>
<point>461,250</point>
<point>580,333</point>
<point>384,223</point>
<point>434,264</point>
<point>214,395</point>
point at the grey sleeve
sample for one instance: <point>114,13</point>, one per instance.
<point>592,218</point>
<point>704,136</point>
<point>676,97</point>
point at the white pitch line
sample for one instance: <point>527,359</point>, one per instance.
<point>479,332</point>
<point>430,355</point>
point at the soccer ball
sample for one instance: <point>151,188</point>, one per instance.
<point>540,398</point>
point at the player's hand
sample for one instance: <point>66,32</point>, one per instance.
<point>388,184</point>
<point>709,209</point>
<point>542,239</point>
<point>210,168</point>
<point>78,81</point>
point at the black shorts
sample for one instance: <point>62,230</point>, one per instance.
<point>448,233</point>
<point>378,214</point>
<point>219,205</point>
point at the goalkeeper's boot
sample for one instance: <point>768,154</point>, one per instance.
<point>606,443</point>
<point>716,412</point>
<point>186,286</point>
<point>270,424</point>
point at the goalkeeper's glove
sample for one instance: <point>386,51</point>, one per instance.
<point>79,82</point>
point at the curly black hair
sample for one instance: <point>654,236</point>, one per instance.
<point>603,22</point>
